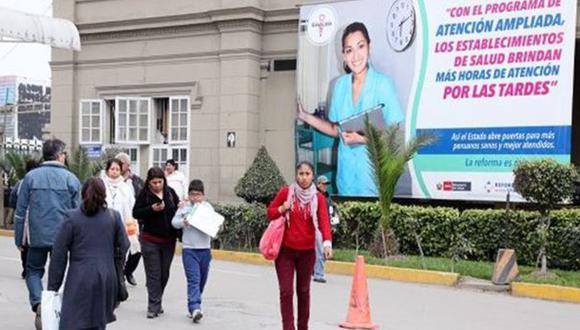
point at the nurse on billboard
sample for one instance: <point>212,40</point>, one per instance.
<point>360,89</point>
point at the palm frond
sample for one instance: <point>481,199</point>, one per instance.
<point>80,164</point>
<point>388,155</point>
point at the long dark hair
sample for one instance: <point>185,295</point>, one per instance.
<point>350,29</point>
<point>153,173</point>
<point>94,196</point>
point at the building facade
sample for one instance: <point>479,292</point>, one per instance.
<point>203,82</point>
<point>176,80</point>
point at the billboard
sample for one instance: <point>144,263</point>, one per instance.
<point>491,79</point>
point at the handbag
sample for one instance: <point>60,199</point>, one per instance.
<point>50,306</point>
<point>271,240</point>
<point>122,293</point>
<point>119,258</point>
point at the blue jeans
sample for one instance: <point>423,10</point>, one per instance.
<point>35,264</point>
<point>196,265</point>
<point>319,263</point>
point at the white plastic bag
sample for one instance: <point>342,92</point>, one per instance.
<point>50,309</point>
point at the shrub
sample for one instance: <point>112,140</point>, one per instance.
<point>243,226</point>
<point>262,180</point>
<point>440,228</point>
<point>546,183</point>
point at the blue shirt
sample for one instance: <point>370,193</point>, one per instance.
<point>354,173</point>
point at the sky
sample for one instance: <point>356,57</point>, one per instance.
<point>26,59</point>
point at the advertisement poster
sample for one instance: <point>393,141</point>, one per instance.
<point>491,80</point>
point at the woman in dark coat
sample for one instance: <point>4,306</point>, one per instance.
<point>86,240</point>
<point>154,209</point>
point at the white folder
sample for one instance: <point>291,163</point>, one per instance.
<point>206,220</point>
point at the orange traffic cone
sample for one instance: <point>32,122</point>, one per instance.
<point>359,310</point>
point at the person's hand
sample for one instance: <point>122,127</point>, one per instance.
<point>327,253</point>
<point>284,207</point>
<point>300,111</point>
<point>353,138</point>
<point>20,248</point>
<point>157,207</point>
<point>181,204</point>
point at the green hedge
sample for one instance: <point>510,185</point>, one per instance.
<point>243,226</point>
<point>486,230</point>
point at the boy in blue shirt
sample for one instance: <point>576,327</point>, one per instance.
<point>196,249</point>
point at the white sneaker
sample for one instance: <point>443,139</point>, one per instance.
<point>196,315</point>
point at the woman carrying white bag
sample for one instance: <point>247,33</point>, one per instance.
<point>86,241</point>
<point>50,306</point>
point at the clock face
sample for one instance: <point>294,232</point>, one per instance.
<point>401,24</point>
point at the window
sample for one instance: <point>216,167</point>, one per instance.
<point>161,153</point>
<point>178,119</point>
<point>132,116</point>
<point>179,155</point>
<point>90,121</point>
<point>159,156</point>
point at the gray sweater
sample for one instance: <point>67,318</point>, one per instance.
<point>192,237</point>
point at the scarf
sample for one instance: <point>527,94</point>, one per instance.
<point>112,186</point>
<point>307,200</point>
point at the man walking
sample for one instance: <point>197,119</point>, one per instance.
<point>322,186</point>
<point>136,184</point>
<point>45,193</point>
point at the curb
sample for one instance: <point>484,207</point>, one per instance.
<point>546,292</point>
<point>347,268</point>
<point>6,233</point>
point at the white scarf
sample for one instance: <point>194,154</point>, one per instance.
<point>305,198</point>
<point>112,186</point>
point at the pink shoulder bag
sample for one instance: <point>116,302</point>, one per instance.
<point>271,240</point>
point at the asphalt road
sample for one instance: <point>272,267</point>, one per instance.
<point>241,296</point>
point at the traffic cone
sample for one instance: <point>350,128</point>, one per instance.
<point>359,310</point>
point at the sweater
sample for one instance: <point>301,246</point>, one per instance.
<point>193,238</point>
<point>156,225</point>
<point>300,231</point>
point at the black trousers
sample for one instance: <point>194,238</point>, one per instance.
<point>23,256</point>
<point>132,263</point>
<point>157,260</point>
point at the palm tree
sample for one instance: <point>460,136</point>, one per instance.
<point>388,155</point>
<point>14,165</point>
<point>80,164</point>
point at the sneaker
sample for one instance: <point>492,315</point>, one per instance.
<point>319,280</point>
<point>38,318</point>
<point>196,315</point>
<point>131,279</point>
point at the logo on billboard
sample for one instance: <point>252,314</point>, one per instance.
<point>454,186</point>
<point>321,25</point>
<point>498,187</point>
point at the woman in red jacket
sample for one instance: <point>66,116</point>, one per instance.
<point>305,211</point>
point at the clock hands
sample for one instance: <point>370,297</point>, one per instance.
<point>401,25</point>
<point>406,19</point>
